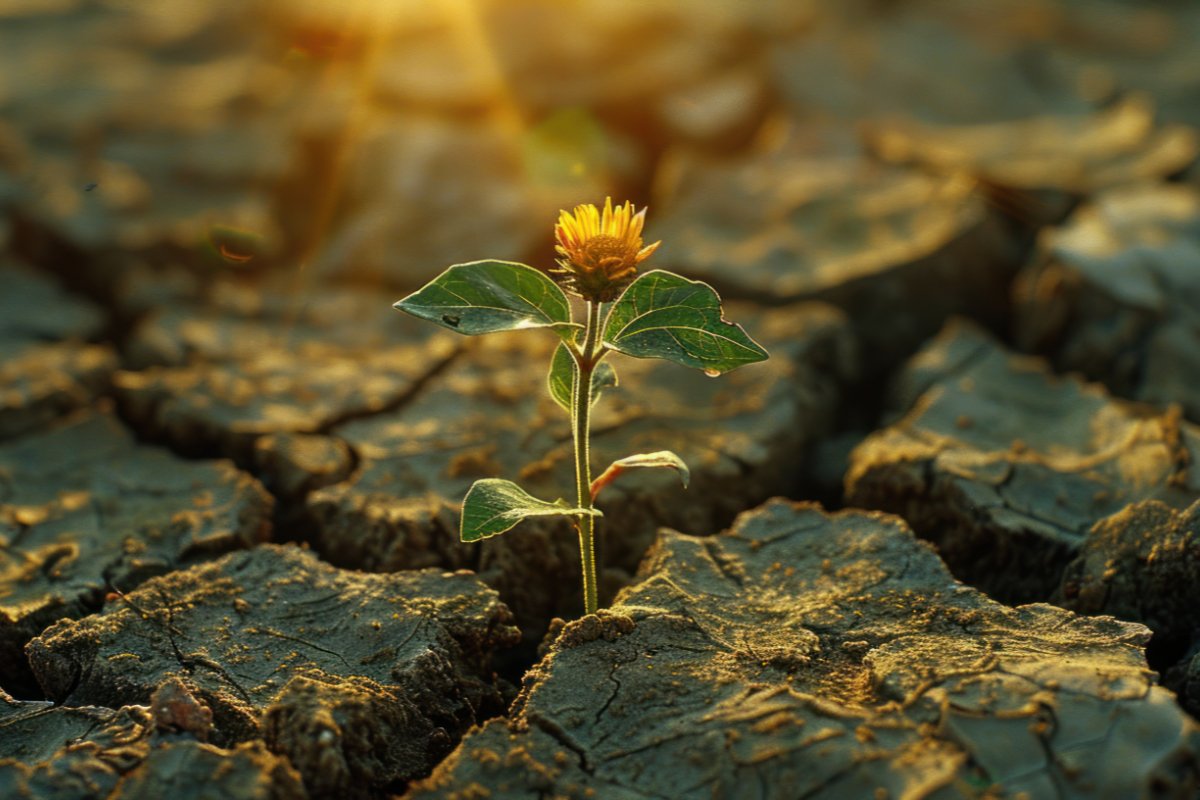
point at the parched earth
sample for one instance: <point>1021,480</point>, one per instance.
<point>859,669</point>
<point>942,544</point>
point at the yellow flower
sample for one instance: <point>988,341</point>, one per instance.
<point>602,250</point>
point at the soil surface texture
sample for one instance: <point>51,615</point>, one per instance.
<point>1115,294</point>
<point>1006,466</point>
<point>816,655</point>
<point>360,680</point>
<point>941,544</point>
<point>87,511</point>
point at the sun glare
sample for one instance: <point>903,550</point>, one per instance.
<point>362,33</point>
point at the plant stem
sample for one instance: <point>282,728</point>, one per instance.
<point>585,364</point>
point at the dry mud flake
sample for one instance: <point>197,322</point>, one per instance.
<point>40,382</point>
<point>35,307</point>
<point>181,771</point>
<point>1037,165</point>
<point>46,369</point>
<point>294,464</point>
<point>743,435</point>
<point>225,407</point>
<point>233,320</point>
<point>991,67</point>
<point>1141,565</point>
<point>67,754</point>
<point>625,55</point>
<point>85,510</point>
<point>1115,294</point>
<point>31,732</point>
<point>232,333</point>
<point>88,753</point>
<point>1005,466</point>
<point>247,114</point>
<point>360,680</point>
<point>137,130</point>
<point>188,770</point>
<point>803,654</point>
<point>897,248</point>
<point>951,62</point>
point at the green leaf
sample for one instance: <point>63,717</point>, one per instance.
<point>492,506</point>
<point>663,458</point>
<point>491,296</point>
<point>663,315</point>
<point>561,379</point>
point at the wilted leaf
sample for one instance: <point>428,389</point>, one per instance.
<point>663,458</point>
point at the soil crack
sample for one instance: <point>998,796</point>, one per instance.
<point>297,639</point>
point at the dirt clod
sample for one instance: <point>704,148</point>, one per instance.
<point>395,667</point>
<point>1009,500</point>
<point>901,683</point>
<point>88,513</point>
<point>601,625</point>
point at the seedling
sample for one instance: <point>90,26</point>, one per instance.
<point>654,315</point>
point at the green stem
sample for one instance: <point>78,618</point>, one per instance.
<point>585,364</point>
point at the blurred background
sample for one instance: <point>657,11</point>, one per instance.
<point>207,208</point>
<point>148,146</point>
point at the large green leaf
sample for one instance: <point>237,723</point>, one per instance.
<point>491,296</point>
<point>561,379</point>
<point>492,506</point>
<point>663,315</point>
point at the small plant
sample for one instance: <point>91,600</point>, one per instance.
<point>655,315</point>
